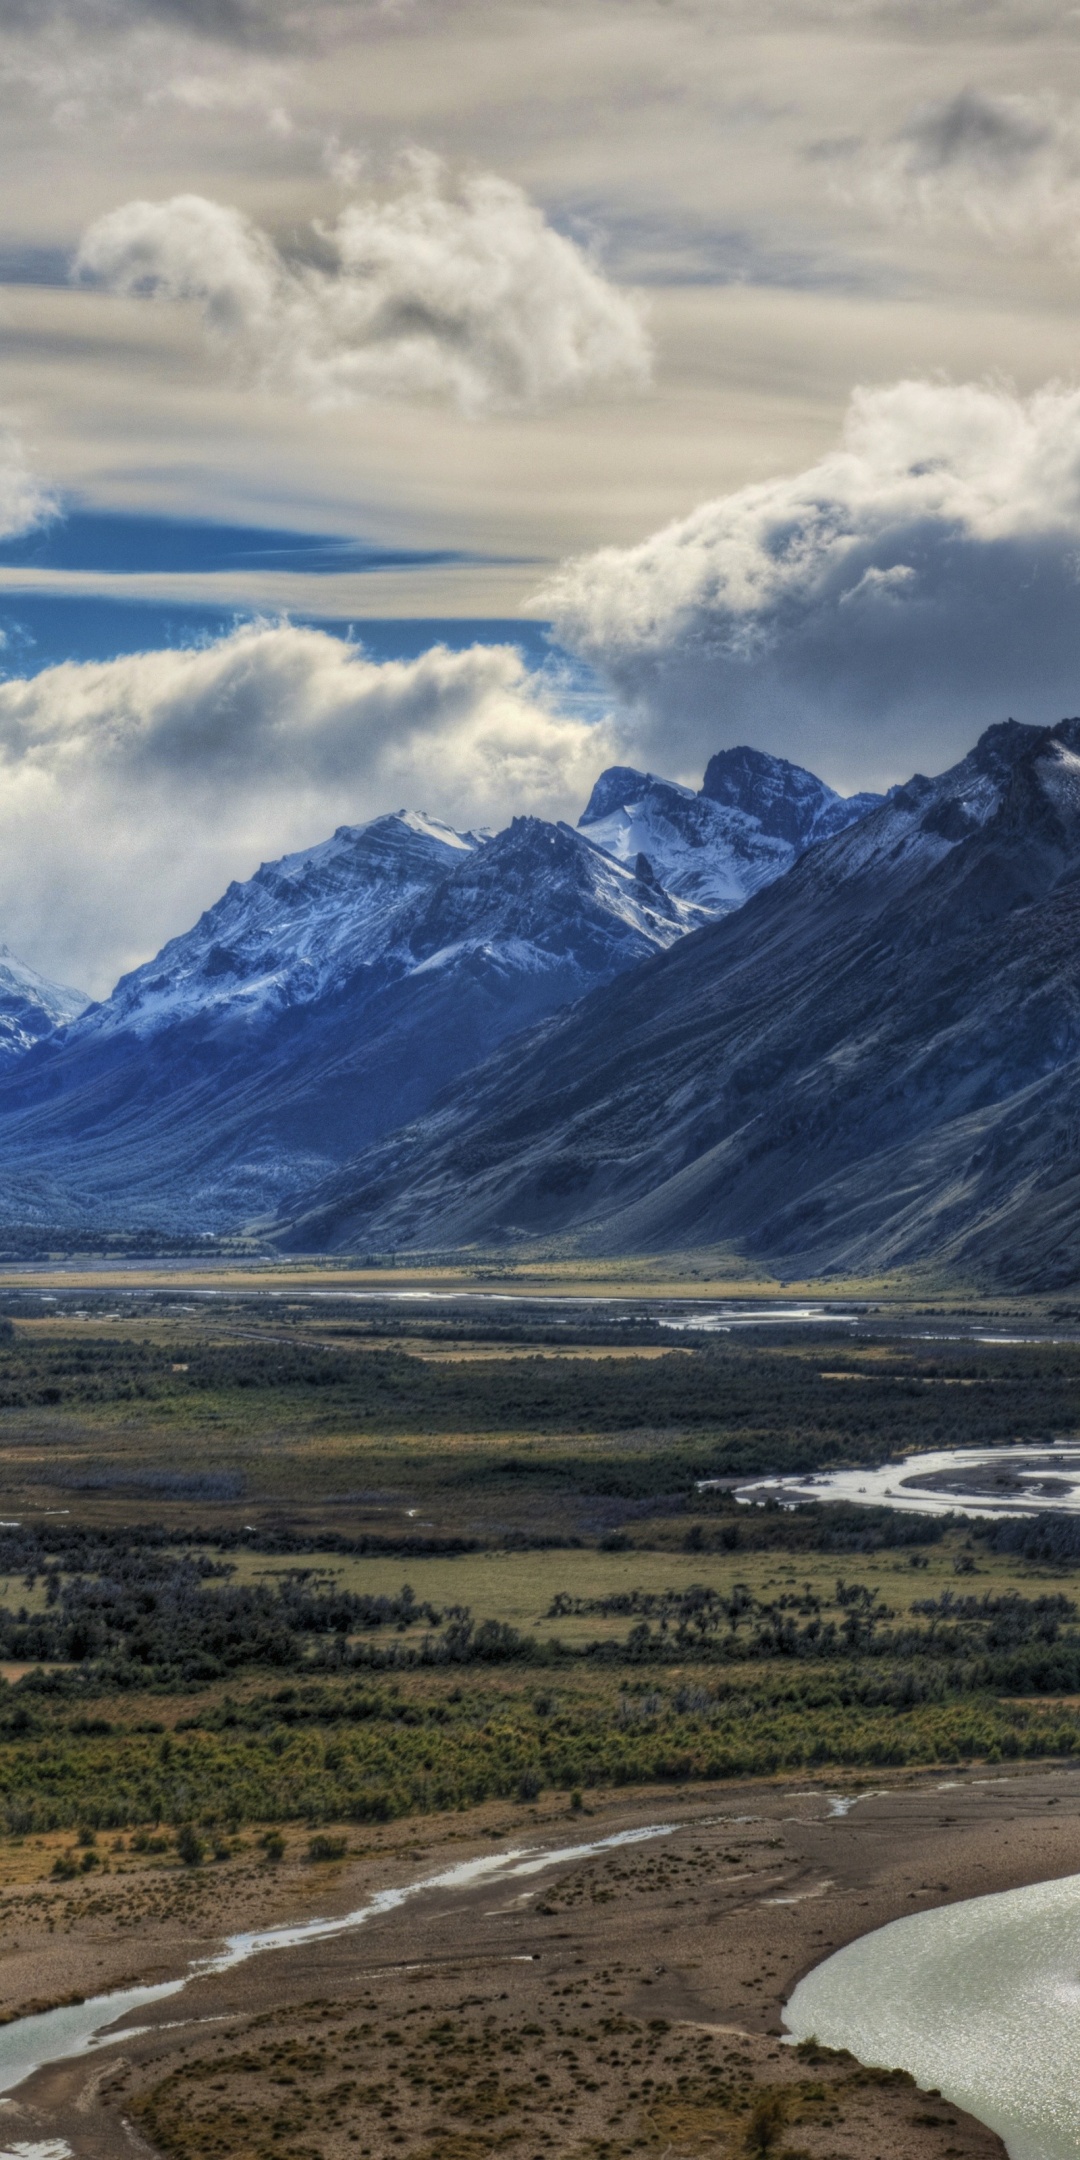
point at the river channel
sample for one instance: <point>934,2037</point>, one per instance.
<point>54,2036</point>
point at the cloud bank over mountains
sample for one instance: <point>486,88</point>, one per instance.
<point>452,288</point>
<point>873,612</point>
<point>132,791</point>
<point>918,580</point>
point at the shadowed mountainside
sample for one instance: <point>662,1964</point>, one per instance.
<point>31,1007</point>
<point>332,996</point>
<point>875,1061</point>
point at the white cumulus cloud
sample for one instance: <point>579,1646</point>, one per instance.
<point>868,614</point>
<point>453,289</point>
<point>133,790</point>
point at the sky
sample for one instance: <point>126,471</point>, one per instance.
<point>429,402</point>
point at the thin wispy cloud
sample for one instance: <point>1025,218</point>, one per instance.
<point>672,249</point>
<point>1007,165</point>
<point>223,21</point>
<point>101,63</point>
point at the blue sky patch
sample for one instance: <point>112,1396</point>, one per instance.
<point>42,629</point>
<point>130,543</point>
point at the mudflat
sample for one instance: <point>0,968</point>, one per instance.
<point>626,2001</point>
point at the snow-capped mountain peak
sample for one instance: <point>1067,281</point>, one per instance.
<point>713,849</point>
<point>402,896</point>
<point>622,784</point>
<point>549,889</point>
<point>31,1006</point>
<point>401,835</point>
<point>317,1005</point>
<point>286,935</point>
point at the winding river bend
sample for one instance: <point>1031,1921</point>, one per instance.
<point>980,2000</point>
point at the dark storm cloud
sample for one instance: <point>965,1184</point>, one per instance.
<point>873,611</point>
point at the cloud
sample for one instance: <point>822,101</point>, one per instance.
<point>670,247</point>
<point>132,791</point>
<point>107,64</point>
<point>228,21</point>
<point>456,290</point>
<point>222,21</point>
<point>1008,165</point>
<point>25,501</point>
<point>871,613</point>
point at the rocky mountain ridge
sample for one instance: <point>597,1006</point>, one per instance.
<point>309,1011</point>
<point>330,998</point>
<point>876,1060</point>
<point>749,821</point>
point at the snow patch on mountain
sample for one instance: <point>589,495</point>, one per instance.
<point>715,847</point>
<point>290,933</point>
<point>31,1007</point>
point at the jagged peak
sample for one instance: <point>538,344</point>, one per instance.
<point>786,799</point>
<point>403,828</point>
<point>617,786</point>
<point>622,787</point>
<point>1001,746</point>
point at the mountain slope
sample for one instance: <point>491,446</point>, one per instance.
<point>804,1076</point>
<point>747,824</point>
<point>788,802</point>
<point>31,1007</point>
<point>290,933</point>
<point>310,1010</point>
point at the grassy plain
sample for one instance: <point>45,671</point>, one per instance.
<point>297,1560</point>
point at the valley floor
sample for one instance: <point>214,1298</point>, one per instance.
<point>301,1599</point>
<point>624,2003</point>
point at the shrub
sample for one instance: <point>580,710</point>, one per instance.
<point>325,1848</point>
<point>189,1845</point>
<point>766,2126</point>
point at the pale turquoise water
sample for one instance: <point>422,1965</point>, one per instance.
<point>980,1999</point>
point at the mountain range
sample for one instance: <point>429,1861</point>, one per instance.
<point>875,1061</point>
<point>840,1034</point>
<point>332,997</point>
